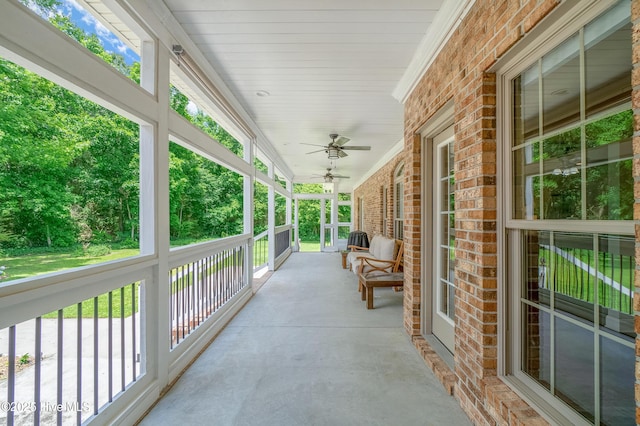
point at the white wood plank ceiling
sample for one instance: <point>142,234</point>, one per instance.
<point>328,66</point>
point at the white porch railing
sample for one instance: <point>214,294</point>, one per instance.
<point>282,244</point>
<point>77,344</point>
<point>260,250</point>
<point>203,279</point>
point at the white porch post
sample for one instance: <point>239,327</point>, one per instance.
<point>289,198</point>
<point>271,222</point>
<point>154,214</point>
<point>248,207</point>
<point>296,242</point>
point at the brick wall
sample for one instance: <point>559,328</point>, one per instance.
<point>372,192</point>
<point>460,73</point>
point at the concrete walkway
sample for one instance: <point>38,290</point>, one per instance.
<point>306,351</point>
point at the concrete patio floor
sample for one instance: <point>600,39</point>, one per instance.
<point>306,351</point>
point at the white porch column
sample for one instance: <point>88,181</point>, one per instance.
<point>271,222</point>
<point>154,213</point>
<point>248,207</point>
<point>296,242</point>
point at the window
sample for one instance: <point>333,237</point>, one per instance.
<point>445,229</point>
<point>398,211</point>
<point>385,212</point>
<point>570,232</point>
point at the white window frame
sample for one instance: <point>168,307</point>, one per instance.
<point>562,23</point>
<point>398,201</point>
<point>385,210</point>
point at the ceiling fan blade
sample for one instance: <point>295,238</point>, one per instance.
<point>320,150</point>
<point>341,141</point>
<point>311,144</point>
<point>357,148</point>
<point>342,154</point>
<point>342,177</point>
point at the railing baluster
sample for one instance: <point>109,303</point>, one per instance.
<point>198,293</point>
<point>95,356</point>
<point>182,310</point>
<point>11,380</point>
<point>37,377</point>
<point>110,349</point>
<point>190,299</point>
<point>122,341</point>
<point>632,272</point>
<point>134,348</point>
<point>79,363</point>
<point>60,363</point>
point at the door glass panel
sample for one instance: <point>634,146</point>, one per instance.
<point>444,298</point>
<point>446,229</point>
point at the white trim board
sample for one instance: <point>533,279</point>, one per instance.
<point>449,17</point>
<point>388,156</point>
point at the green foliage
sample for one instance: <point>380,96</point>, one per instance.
<point>98,250</point>
<point>24,359</point>
<point>69,168</point>
<point>308,188</point>
<point>309,220</point>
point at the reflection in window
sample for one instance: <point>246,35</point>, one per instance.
<point>574,286</point>
<point>571,159</point>
<point>578,164</point>
<point>398,211</point>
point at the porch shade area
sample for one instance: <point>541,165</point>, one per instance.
<point>305,350</point>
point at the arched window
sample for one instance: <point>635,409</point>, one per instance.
<point>398,197</point>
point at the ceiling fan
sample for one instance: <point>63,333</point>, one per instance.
<point>328,177</point>
<point>336,147</point>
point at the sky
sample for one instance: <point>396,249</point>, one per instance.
<point>110,42</point>
<point>91,25</point>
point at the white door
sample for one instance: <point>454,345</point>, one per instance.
<point>443,312</point>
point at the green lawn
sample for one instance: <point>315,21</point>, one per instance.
<point>29,265</point>
<point>121,301</point>
<point>310,246</point>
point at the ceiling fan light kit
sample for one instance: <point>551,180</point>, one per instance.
<point>334,153</point>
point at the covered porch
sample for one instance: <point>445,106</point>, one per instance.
<point>305,350</point>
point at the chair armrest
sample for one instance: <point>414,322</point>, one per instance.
<point>376,264</point>
<point>357,248</point>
